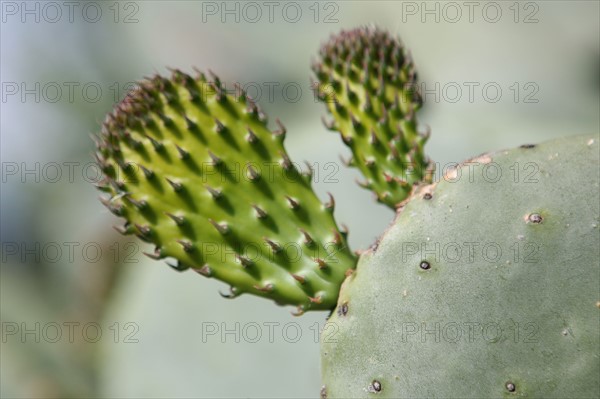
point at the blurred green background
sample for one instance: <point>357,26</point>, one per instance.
<point>84,314</point>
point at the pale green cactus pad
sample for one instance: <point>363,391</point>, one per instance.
<point>486,285</point>
<point>198,173</point>
<point>369,85</point>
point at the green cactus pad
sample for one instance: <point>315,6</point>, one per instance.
<point>487,285</point>
<point>368,83</point>
<point>196,172</point>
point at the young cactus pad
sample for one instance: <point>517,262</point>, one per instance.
<point>485,286</point>
<point>368,83</point>
<point>196,172</point>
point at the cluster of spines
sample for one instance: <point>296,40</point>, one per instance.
<point>152,150</point>
<point>369,85</point>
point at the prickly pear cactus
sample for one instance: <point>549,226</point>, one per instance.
<point>369,84</point>
<point>487,284</point>
<point>197,173</point>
